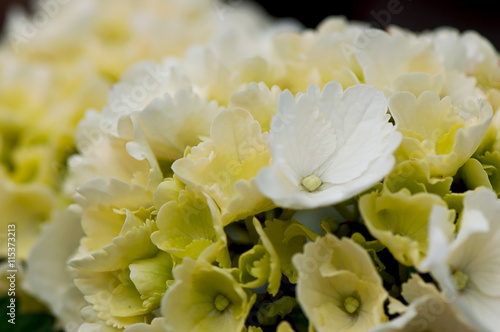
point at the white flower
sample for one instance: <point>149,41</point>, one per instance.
<point>386,57</point>
<point>437,131</point>
<point>205,297</point>
<point>428,311</point>
<point>225,166</point>
<point>28,206</point>
<point>317,56</point>
<point>404,61</point>
<point>98,147</point>
<point>338,287</point>
<point>114,34</point>
<point>155,326</point>
<point>328,146</point>
<point>48,277</point>
<point>456,51</point>
<point>258,99</point>
<point>468,267</point>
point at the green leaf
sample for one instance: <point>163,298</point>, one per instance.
<point>374,245</point>
<point>297,229</point>
<point>268,313</point>
<point>329,225</point>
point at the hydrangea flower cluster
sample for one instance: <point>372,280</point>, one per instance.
<point>269,178</point>
<point>60,61</point>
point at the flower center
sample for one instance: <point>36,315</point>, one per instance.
<point>221,302</point>
<point>311,182</point>
<point>460,279</point>
<point>351,304</point>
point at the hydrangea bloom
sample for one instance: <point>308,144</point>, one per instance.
<point>328,146</point>
<point>272,179</point>
<point>205,298</point>
<point>338,287</point>
<point>428,311</point>
<point>116,34</point>
<point>14,202</point>
<point>386,217</point>
<point>466,267</point>
<point>189,225</point>
<point>49,279</point>
<point>225,167</point>
<point>49,78</point>
<point>435,130</point>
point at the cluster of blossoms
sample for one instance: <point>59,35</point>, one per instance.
<point>262,177</point>
<point>60,61</point>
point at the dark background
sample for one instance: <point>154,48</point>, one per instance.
<point>416,15</point>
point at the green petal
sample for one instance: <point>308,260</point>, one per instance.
<point>275,275</point>
<point>185,226</point>
<point>455,201</point>
<point>255,267</point>
<point>491,165</point>
<point>259,100</point>
<point>167,191</point>
<point>331,271</point>
<point>134,245</point>
<point>225,166</point>
<point>205,298</point>
<point>415,176</point>
<point>437,131</point>
<point>296,229</point>
<point>474,175</point>
<point>126,302</point>
<point>400,221</point>
<point>285,249</point>
<point>150,278</point>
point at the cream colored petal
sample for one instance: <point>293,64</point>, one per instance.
<point>224,166</point>
<point>48,277</point>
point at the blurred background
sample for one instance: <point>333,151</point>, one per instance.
<point>416,15</point>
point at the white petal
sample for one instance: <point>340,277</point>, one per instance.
<point>343,139</point>
<point>428,313</point>
<point>307,137</point>
<point>476,251</point>
<point>439,249</point>
<point>481,310</point>
<point>48,277</point>
<point>362,112</point>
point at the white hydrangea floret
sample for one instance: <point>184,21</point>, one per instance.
<point>328,146</point>
<point>428,310</point>
<point>467,267</point>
